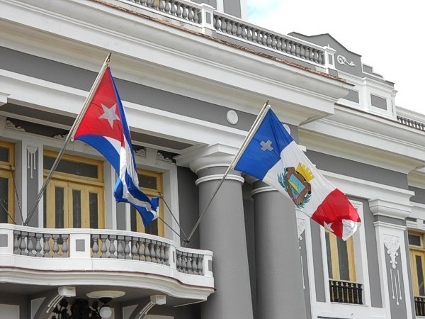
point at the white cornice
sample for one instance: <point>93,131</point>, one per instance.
<point>45,95</point>
<point>390,208</point>
<point>189,61</point>
<point>21,275</point>
<point>366,138</point>
<point>418,212</point>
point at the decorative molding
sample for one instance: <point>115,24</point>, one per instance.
<point>32,159</point>
<point>60,137</point>
<point>343,60</point>
<point>300,229</point>
<point>11,126</point>
<point>164,157</point>
<point>392,245</point>
<point>263,189</point>
<point>140,153</point>
<point>232,117</point>
<point>216,177</point>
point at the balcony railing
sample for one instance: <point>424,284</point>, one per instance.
<point>206,18</point>
<point>47,249</point>
<point>268,39</point>
<point>420,306</point>
<point>346,292</point>
<point>411,123</point>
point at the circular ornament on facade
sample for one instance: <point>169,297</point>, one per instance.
<point>232,117</point>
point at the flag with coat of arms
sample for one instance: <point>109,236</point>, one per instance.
<point>271,155</point>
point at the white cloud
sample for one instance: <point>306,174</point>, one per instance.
<point>389,34</point>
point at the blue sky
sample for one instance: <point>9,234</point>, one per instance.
<point>388,34</point>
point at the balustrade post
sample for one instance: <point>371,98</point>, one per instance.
<point>16,242</point>
<point>329,58</point>
<point>120,248</point>
<point>65,247</point>
<point>30,244</point>
<point>112,248</point>
<point>152,251</point>
<point>142,245</point>
<point>127,247</point>
<point>55,247</point>
<point>46,246</point>
<point>103,247</point>
<point>207,19</point>
<point>23,243</point>
<point>147,250</point>
<point>95,247</point>
<point>134,249</point>
<point>38,247</point>
<point>167,253</point>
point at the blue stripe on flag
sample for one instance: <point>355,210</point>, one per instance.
<point>264,149</point>
<point>104,147</point>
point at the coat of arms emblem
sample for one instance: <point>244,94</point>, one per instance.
<point>296,183</point>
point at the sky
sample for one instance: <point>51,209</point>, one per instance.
<point>388,34</point>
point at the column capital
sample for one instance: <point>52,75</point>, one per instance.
<point>217,155</point>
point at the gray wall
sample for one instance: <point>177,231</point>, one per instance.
<point>396,287</point>
<point>20,300</point>
<point>188,204</point>
<point>419,196</point>
<point>359,170</point>
<point>248,204</point>
<point>79,78</point>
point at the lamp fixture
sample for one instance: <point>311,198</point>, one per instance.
<point>105,311</point>
<point>80,308</point>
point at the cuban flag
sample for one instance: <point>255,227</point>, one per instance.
<point>271,155</point>
<point>104,127</point>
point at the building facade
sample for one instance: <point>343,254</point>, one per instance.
<point>192,77</point>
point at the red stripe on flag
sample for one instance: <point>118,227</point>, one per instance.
<point>333,210</point>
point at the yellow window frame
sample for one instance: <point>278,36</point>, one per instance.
<point>334,256</point>
<point>150,192</point>
<point>416,251</point>
<point>69,183</point>
<point>7,170</point>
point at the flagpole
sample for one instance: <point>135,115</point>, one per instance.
<point>69,137</point>
<point>245,143</point>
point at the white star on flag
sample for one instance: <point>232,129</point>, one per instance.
<point>109,114</point>
<point>328,227</point>
<point>349,227</point>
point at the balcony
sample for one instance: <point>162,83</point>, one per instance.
<point>346,292</point>
<point>223,27</point>
<point>34,259</point>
